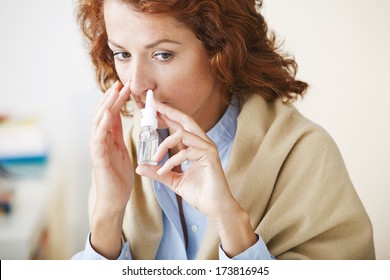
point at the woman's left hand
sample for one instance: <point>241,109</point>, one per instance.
<point>203,185</point>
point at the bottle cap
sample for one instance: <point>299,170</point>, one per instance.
<point>149,113</point>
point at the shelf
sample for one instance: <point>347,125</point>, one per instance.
<point>25,228</point>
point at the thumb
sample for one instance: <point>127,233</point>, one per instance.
<point>150,171</point>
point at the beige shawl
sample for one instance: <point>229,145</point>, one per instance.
<point>287,173</point>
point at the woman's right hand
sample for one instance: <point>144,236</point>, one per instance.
<point>113,171</point>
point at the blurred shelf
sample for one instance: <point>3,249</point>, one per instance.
<point>24,231</point>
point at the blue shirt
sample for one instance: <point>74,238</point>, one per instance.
<point>172,245</point>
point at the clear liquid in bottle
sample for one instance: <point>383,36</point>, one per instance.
<point>147,145</point>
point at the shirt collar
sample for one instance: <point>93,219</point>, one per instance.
<point>225,129</point>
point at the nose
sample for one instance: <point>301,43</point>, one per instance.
<point>141,78</point>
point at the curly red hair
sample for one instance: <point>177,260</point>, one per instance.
<point>243,54</point>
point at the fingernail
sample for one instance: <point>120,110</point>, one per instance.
<point>117,85</point>
<point>125,88</point>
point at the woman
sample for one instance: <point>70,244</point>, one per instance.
<point>241,174</point>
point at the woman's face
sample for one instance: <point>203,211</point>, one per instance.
<point>160,53</point>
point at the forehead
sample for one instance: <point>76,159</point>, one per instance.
<point>132,30</point>
<point>119,15</point>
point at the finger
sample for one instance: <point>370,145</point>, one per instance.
<point>181,137</point>
<point>117,130</point>
<point>103,127</point>
<point>100,135</point>
<point>168,143</point>
<point>106,95</point>
<point>147,170</point>
<point>150,171</point>
<point>124,95</point>
<point>185,121</point>
<point>189,154</point>
<point>106,106</point>
<point>105,120</point>
<point>168,123</point>
<point>114,102</point>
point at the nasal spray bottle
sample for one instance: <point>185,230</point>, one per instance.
<point>148,138</point>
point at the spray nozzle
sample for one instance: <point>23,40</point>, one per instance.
<point>149,113</point>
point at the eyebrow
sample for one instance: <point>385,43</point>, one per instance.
<point>148,46</point>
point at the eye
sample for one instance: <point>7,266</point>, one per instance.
<point>122,56</point>
<point>162,56</point>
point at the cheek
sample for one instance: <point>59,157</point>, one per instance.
<point>193,77</point>
<point>121,73</point>
<point>189,91</point>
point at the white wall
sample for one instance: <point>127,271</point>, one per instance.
<point>44,71</point>
<point>341,47</point>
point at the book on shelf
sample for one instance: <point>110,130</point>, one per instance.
<point>23,147</point>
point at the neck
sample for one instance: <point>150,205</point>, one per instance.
<point>206,123</point>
